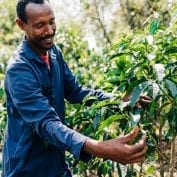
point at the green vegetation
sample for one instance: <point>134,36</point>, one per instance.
<point>143,62</point>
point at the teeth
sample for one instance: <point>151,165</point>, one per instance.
<point>48,39</point>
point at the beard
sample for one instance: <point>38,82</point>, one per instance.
<point>45,42</point>
<point>42,44</point>
<point>47,37</point>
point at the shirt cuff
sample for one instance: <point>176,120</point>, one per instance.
<point>85,157</point>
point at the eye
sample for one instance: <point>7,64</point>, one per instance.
<point>38,25</point>
<point>52,22</point>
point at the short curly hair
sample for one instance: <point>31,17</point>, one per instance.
<point>21,6</point>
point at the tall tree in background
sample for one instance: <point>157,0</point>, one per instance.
<point>136,12</point>
<point>108,18</point>
<point>99,16</point>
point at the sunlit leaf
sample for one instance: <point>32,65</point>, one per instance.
<point>160,71</point>
<point>150,39</point>
<point>86,5</point>
<point>110,120</point>
<point>135,118</point>
<point>104,103</point>
<point>150,170</point>
<point>155,90</point>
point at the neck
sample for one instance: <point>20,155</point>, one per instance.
<point>37,50</point>
<point>45,53</point>
<point>40,52</point>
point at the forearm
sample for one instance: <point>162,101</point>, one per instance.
<point>97,148</point>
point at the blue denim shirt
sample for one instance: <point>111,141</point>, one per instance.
<point>36,136</point>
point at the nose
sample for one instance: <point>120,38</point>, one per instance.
<point>49,30</point>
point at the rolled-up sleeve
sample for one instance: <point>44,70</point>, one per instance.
<point>34,109</point>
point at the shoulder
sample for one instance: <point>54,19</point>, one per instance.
<point>17,59</point>
<point>19,64</point>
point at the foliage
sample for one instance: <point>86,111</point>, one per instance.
<point>9,36</point>
<point>81,60</point>
<point>9,32</point>
<point>144,63</point>
<point>108,18</point>
<point>137,12</point>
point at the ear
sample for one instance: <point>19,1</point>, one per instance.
<point>20,23</point>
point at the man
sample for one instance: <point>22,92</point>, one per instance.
<point>37,82</point>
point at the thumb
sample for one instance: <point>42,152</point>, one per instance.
<point>130,136</point>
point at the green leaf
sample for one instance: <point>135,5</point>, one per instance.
<point>150,170</point>
<point>1,93</point>
<point>135,117</point>
<point>121,47</point>
<point>1,76</point>
<point>86,5</point>
<point>110,120</point>
<point>170,50</point>
<point>135,96</point>
<point>104,103</point>
<point>154,26</point>
<point>172,87</point>
<point>96,121</point>
<point>137,92</point>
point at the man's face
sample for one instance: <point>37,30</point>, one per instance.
<point>40,27</point>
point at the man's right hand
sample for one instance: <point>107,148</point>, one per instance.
<point>119,149</point>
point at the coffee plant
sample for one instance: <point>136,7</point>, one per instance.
<point>142,63</point>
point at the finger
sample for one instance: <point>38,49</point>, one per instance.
<point>136,157</point>
<point>126,98</point>
<point>138,105</point>
<point>136,148</point>
<point>142,141</point>
<point>142,100</point>
<point>130,136</point>
<point>141,159</point>
<point>140,154</point>
<point>145,97</point>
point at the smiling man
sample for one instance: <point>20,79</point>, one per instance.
<point>37,81</point>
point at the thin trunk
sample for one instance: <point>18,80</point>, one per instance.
<point>101,23</point>
<point>161,151</point>
<point>141,170</point>
<point>172,158</point>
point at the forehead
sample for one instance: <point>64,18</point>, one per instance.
<point>36,11</point>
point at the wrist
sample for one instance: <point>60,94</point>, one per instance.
<point>91,147</point>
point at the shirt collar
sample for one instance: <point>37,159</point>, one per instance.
<point>30,54</point>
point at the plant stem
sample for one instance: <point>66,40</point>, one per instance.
<point>172,158</point>
<point>161,151</point>
<point>141,170</point>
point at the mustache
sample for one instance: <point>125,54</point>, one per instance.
<point>47,36</point>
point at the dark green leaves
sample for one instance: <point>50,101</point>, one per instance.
<point>172,88</point>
